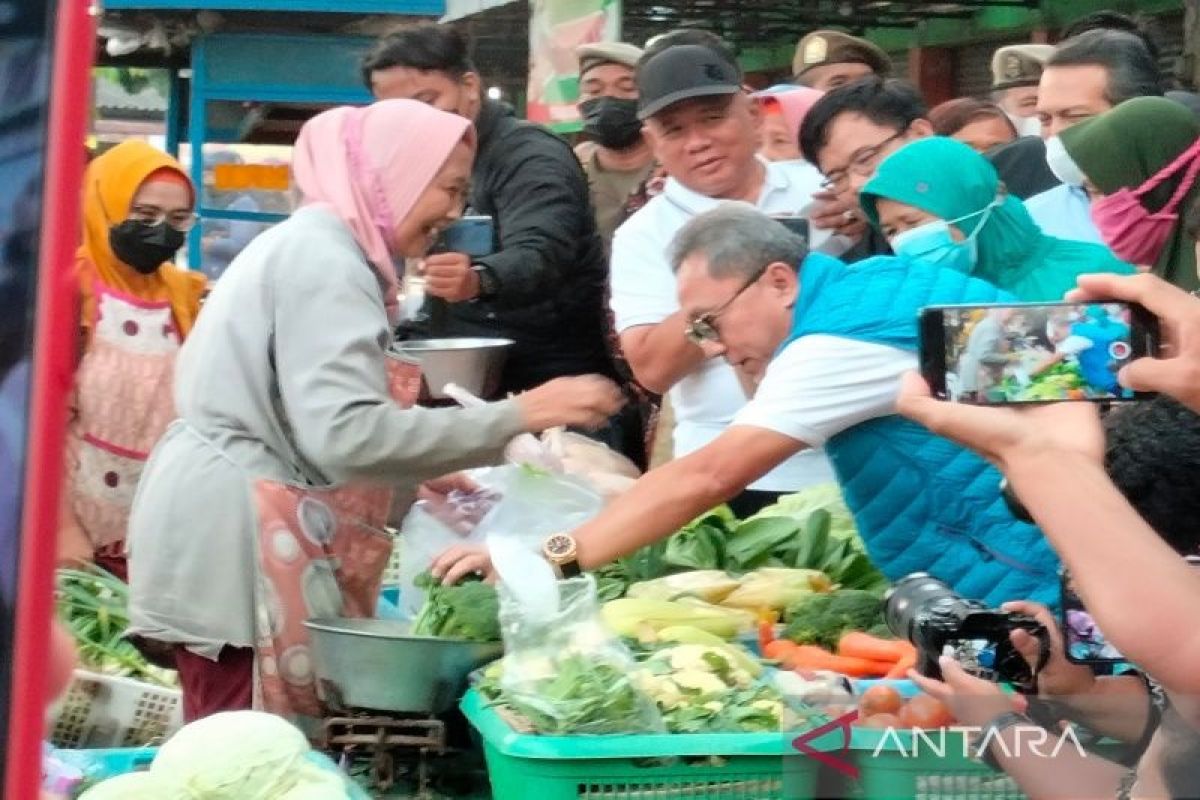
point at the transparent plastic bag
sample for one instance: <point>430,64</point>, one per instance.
<point>565,672</point>
<point>525,503</point>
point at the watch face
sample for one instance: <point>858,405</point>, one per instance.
<point>559,545</point>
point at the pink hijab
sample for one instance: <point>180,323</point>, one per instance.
<point>368,165</point>
<point>793,103</point>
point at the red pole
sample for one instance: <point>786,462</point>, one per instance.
<point>53,357</point>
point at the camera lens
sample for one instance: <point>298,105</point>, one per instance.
<point>909,597</point>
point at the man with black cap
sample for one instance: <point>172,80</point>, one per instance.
<point>1016,70</point>
<point>704,129</point>
<point>617,158</point>
<point>826,60</point>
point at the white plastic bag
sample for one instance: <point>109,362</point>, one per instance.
<point>529,505</point>
<point>565,672</point>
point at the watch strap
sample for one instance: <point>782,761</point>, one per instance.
<point>997,725</point>
<point>489,286</point>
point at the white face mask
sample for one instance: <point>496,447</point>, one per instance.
<point>1061,163</point>
<point>1027,126</point>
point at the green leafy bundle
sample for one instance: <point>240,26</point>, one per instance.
<point>93,604</point>
<point>467,610</point>
<point>821,619</point>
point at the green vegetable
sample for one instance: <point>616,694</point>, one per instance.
<point>701,543</point>
<point>821,619</point>
<point>468,610</point>
<point>755,540</point>
<point>576,695</point>
<point>93,605</point>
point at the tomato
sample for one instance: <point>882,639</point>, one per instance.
<point>778,649</point>
<point>880,699</point>
<point>880,721</point>
<point>925,712</point>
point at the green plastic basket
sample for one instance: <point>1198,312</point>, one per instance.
<point>930,765</point>
<point>744,766</point>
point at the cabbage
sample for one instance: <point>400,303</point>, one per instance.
<point>237,755</point>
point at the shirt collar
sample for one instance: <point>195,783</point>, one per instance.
<point>696,203</point>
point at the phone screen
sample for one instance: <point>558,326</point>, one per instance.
<point>1031,353</point>
<point>796,224</point>
<point>1083,640</point>
<point>472,235</point>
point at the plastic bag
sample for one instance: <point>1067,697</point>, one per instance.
<point>565,672</point>
<point>527,503</point>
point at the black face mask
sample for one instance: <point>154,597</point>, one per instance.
<point>611,121</point>
<point>145,247</point>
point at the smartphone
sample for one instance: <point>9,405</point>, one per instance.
<point>796,224</point>
<point>472,235</point>
<point>1033,352</point>
<point>46,58</point>
<point>1083,641</point>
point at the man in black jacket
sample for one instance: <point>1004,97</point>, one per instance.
<point>544,287</point>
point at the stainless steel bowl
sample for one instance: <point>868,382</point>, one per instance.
<point>377,664</point>
<point>474,364</point>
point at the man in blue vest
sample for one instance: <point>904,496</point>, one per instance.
<point>827,344</point>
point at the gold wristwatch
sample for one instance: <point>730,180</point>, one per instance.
<point>560,550</point>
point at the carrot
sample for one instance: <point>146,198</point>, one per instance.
<point>811,657</point>
<point>900,670</point>
<point>863,645</point>
<point>766,629</point>
<point>778,649</point>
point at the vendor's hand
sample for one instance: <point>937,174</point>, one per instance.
<point>1059,679</point>
<point>456,501</point>
<point>1006,434</point>
<point>450,277</point>
<point>833,212</point>
<point>462,560</point>
<point>584,401</point>
<point>1177,373</point>
<point>973,701</point>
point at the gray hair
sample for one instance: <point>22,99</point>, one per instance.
<point>737,240</point>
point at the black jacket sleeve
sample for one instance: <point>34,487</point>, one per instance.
<point>542,213</point>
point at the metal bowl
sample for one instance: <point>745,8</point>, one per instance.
<point>474,364</point>
<point>377,664</point>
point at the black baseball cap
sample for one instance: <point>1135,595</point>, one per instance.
<point>683,72</point>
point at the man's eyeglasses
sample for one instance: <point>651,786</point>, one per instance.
<point>703,328</point>
<point>862,163</point>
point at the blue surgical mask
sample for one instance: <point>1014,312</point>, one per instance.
<point>932,243</point>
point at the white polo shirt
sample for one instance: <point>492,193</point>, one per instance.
<point>644,292</point>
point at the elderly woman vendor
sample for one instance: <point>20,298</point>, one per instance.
<point>264,504</point>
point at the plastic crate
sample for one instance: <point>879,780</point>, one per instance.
<point>391,573</point>
<point>930,765</point>
<point>741,766</point>
<point>104,764</point>
<point>101,711</point>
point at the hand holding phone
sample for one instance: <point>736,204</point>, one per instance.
<point>1033,352</point>
<point>471,235</point>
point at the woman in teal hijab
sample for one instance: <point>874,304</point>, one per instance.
<point>939,201</point>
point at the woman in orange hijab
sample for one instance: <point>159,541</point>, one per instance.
<point>136,309</point>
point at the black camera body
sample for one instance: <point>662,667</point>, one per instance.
<point>928,613</point>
